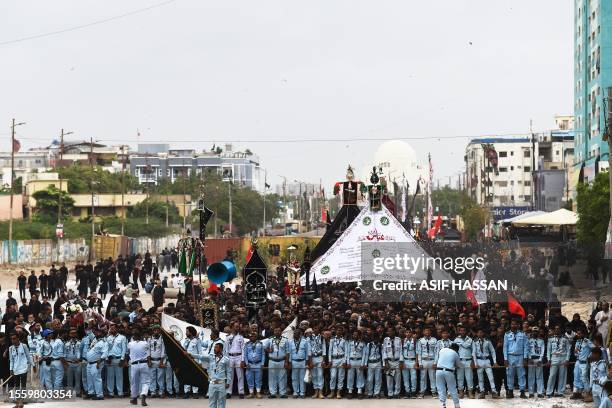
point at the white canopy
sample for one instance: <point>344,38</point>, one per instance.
<point>559,217</point>
<point>521,216</point>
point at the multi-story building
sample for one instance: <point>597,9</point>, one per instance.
<point>515,183</point>
<point>241,168</point>
<point>25,163</point>
<point>592,78</point>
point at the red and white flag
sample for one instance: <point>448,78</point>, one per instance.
<point>16,145</point>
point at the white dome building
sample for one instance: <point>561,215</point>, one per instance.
<point>398,161</point>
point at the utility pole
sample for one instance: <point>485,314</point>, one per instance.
<point>264,202</point>
<point>93,208</point>
<point>13,146</point>
<point>148,174</point>
<point>123,189</point>
<point>607,101</point>
<point>230,206</point>
<point>61,157</point>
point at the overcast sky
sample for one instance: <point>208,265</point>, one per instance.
<point>194,72</point>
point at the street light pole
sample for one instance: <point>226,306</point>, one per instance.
<point>13,145</point>
<point>93,208</point>
<point>264,202</point>
<point>230,206</point>
<point>123,190</point>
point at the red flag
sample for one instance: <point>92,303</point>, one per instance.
<point>469,294</point>
<point>515,307</point>
<point>436,228</point>
<point>249,254</point>
<point>16,145</point>
<point>323,215</point>
<point>213,288</point>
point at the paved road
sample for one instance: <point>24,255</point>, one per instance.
<point>308,403</point>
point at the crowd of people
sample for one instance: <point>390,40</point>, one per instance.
<point>342,347</point>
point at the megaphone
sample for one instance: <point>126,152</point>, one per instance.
<point>221,272</point>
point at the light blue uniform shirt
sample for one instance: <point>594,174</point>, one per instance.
<point>426,348</point>
<point>193,346</point>
<point>89,337</point>
<point>355,351</point>
<point>317,346</point>
<point>536,349</point>
<point>96,350</point>
<point>73,350</point>
<point>34,341</point>
<point>409,349</point>
<point>515,344</point>
<point>299,350</point>
<point>337,348</point>
<point>280,347</point>
<point>558,348</point>
<point>482,349</point>
<point>583,349</point>
<point>254,353</point>
<point>44,349</point>
<point>219,369</point>
<point>57,349</point>
<point>448,358</point>
<point>372,354</point>
<point>465,347</point>
<point>19,359</point>
<point>117,346</point>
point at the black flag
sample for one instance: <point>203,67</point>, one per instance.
<point>187,371</point>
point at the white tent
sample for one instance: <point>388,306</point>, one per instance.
<point>521,216</point>
<point>343,260</point>
<point>559,217</point>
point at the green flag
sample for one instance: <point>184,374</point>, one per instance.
<point>182,267</point>
<point>192,263</point>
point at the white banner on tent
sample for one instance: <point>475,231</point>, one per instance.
<point>179,328</point>
<point>343,261</point>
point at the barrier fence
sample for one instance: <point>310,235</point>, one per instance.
<point>47,251</point>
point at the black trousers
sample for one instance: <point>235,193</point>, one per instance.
<point>18,381</point>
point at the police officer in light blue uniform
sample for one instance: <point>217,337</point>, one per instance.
<point>427,357</point>
<point>598,375</point>
<point>85,342</point>
<point>318,349</point>
<point>97,352</point>
<point>464,371</point>
<point>193,346</point>
<point>516,351</point>
<point>277,348</point>
<point>72,348</point>
<point>372,359</point>
<point>483,351</point>
<point>157,353</point>
<point>299,356</point>
<point>337,359</point>
<point>409,372</point>
<point>392,358</point>
<point>219,372</point>
<point>582,351</point>
<point>44,352</point>
<point>57,361</point>
<point>117,352</point>
<point>354,362</point>
<point>254,360</point>
<point>447,363</point>
<point>535,370</point>
<point>558,353</point>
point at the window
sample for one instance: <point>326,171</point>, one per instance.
<point>503,169</point>
<point>511,167</point>
<point>503,154</point>
<point>512,153</point>
<point>527,183</point>
<point>526,153</point>
<point>527,198</point>
<point>527,169</point>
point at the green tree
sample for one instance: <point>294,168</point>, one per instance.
<point>474,219</point>
<point>80,178</point>
<point>157,210</point>
<point>47,204</point>
<point>593,205</point>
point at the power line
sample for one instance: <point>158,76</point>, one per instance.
<point>93,23</point>
<point>329,140</point>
